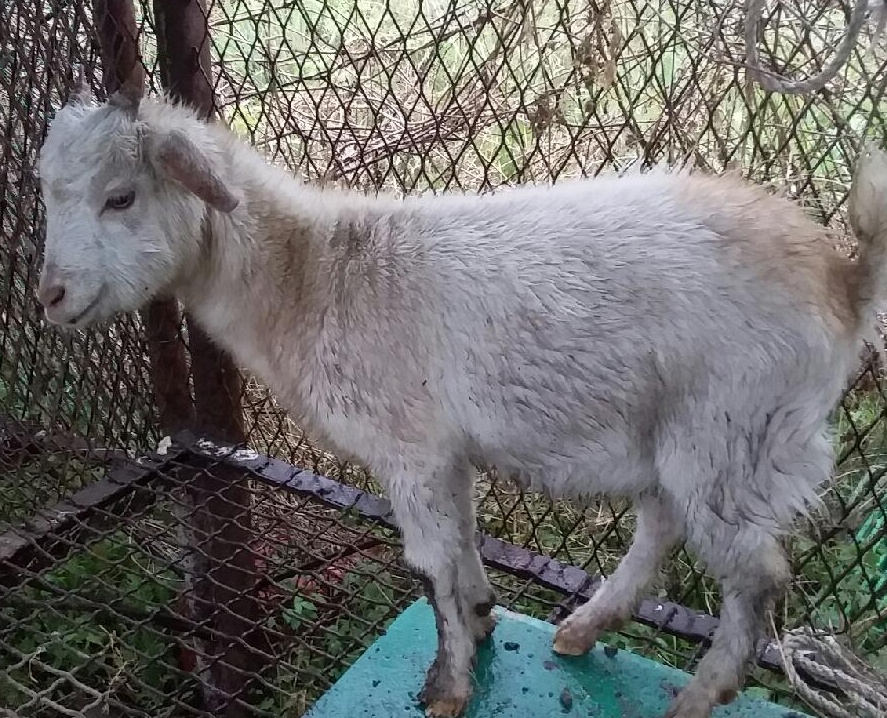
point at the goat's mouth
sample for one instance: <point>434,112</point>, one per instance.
<point>82,318</point>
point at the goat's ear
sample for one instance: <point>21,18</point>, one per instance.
<point>177,157</point>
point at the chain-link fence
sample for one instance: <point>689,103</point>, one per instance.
<point>123,600</point>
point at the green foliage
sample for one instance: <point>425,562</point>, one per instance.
<point>329,634</point>
<point>300,611</point>
<point>89,616</point>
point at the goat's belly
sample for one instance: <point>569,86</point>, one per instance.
<point>613,468</point>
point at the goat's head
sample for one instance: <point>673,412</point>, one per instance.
<point>126,186</point>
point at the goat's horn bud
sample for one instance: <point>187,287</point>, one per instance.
<point>129,95</point>
<point>80,92</point>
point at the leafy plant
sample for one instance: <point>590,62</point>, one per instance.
<point>300,611</point>
<point>90,616</point>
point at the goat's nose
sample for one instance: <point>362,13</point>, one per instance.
<point>51,295</point>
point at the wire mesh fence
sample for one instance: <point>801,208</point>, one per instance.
<point>414,95</point>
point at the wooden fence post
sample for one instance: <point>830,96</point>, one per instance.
<point>220,516</point>
<point>121,62</point>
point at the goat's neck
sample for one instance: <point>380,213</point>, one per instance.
<point>249,284</point>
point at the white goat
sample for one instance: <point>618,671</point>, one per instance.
<point>669,337</point>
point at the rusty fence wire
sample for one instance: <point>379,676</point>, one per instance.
<point>97,595</point>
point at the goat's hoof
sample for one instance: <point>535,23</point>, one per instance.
<point>438,705</point>
<point>690,704</point>
<point>570,642</point>
<point>446,707</point>
<point>443,701</point>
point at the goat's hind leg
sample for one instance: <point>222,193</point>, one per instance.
<point>754,572</point>
<point>658,530</point>
<point>737,504</point>
<point>429,505</point>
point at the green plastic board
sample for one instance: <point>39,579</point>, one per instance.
<point>517,676</point>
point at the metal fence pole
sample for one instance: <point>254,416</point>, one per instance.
<point>121,62</point>
<point>220,516</point>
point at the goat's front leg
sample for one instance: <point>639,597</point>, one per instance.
<point>658,530</point>
<point>476,595</point>
<point>430,508</point>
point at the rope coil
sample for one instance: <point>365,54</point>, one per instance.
<point>773,82</point>
<point>831,679</point>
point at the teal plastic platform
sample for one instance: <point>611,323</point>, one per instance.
<point>517,676</point>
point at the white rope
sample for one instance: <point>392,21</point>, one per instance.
<point>773,82</point>
<point>831,679</point>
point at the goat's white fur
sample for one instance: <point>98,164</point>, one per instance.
<point>670,337</point>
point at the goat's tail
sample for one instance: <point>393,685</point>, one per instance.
<point>868,217</point>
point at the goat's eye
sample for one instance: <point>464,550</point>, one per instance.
<point>120,201</point>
